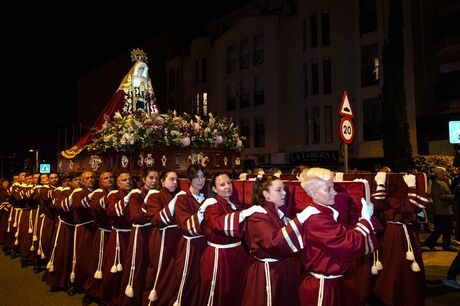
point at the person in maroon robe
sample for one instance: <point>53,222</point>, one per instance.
<point>84,232</point>
<point>224,261</point>
<point>161,285</point>
<point>5,208</point>
<point>117,244</point>
<point>60,263</point>
<point>189,214</point>
<point>137,255</point>
<point>47,224</point>
<point>26,222</point>
<point>330,248</point>
<point>18,202</point>
<point>402,278</point>
<point>273,241</point>
<point>97,206</point>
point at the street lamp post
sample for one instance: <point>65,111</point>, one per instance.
<point>36,159</point>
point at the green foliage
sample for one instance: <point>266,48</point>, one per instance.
<point>426,163</point>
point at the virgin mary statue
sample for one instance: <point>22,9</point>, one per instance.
<point>134,94</point>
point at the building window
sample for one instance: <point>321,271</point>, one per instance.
<point>325,35</point>
<point>259,90</point>
<point>244,93</point>
<point>328,124</point>
<point>244,54</point>
<point>316,125</point>
<point>314,78</point>
<point>305,80</point>
<point>205,103</point>
<point>204,69</point>
<point>313,32</point>
<point>196,72</point>
<point>231,59</point>
<point>306,130</point>
<point>367,16</point>
<point>326,75</point>
<point>370,65</point>
<point>304,35</point>
<point>197,103</point>
<point>231,96</point>
<point>245,129</point>
<point>372,121</point>
<point>259,47</point>
<point>259,131</point>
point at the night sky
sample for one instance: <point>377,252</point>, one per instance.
<point>47,48</point>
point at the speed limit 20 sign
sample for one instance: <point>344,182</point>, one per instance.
<point>347,130</point>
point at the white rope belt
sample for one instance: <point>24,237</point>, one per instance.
<point>153,296</point>
<point>40,247</point>
<point>18,225</point>
<point>410,251</point>
<point>50,265</point>
<point>66,223</point>
<point>117,267</point>
<point>321,278</point>
<point>84,223</point>
<point>98,273</point>
<point>10,218</point>
<point>35,229</point>
<point>186,264</point>
<point>129,291</point>
<point>193,237</point>
<point>142,225</point>
<point>31,221</point>
<point>16,212</point>
<point>168,226</point>
<point>224,246</point>
<point>216,261</point>
<point>268,283</point>
<point>74,253</point>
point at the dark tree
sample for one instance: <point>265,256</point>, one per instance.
<point>396,140</point>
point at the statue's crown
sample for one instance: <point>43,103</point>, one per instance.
<point>138,55</point>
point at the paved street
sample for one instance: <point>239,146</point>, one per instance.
<point>21,286</point>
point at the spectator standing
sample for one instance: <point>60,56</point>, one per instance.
<point>443,210</point>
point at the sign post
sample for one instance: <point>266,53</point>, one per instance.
<point>346,128</point>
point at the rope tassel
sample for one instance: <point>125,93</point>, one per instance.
<point>98,273</point>
<point>377,265</point>
<point>410,252</point>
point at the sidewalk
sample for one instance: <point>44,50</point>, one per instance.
<point>436,265</point>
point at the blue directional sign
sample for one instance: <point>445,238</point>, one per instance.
<point>45,168</point>
<point>454,131</point>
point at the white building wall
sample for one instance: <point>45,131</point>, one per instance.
<point>284,58</point>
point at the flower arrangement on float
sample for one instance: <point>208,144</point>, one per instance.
<point>125,132</point>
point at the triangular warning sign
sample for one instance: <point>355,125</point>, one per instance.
<point>345,107</point>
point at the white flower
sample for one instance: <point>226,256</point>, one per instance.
<point>185,141</point>
<point>218,139</point>
<point>117,115</point>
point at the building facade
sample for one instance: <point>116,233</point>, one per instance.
<point>279,68</point>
